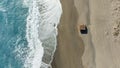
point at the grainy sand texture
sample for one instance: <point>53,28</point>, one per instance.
<point>101,46</point>
<point>70,46</point>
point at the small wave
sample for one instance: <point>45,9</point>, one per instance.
<point>41,31</point>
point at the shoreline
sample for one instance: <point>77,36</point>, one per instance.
<point>70,46</point>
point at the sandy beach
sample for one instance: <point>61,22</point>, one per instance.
<point>70,46</point>
<point>100,47</point>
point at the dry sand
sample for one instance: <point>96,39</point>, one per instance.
<point>102,23</point>
<point>101,46</point>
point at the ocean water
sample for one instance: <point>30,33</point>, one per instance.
<point>28,30</point>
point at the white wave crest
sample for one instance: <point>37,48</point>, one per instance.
<point>35,55</point>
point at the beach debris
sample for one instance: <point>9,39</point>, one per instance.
<point>83,29</point>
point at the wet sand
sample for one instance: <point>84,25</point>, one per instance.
<point>70,46</point>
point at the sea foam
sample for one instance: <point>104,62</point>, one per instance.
<point>42,21</point>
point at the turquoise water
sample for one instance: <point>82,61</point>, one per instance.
<point>28,30</point>
<point>12,33</point>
